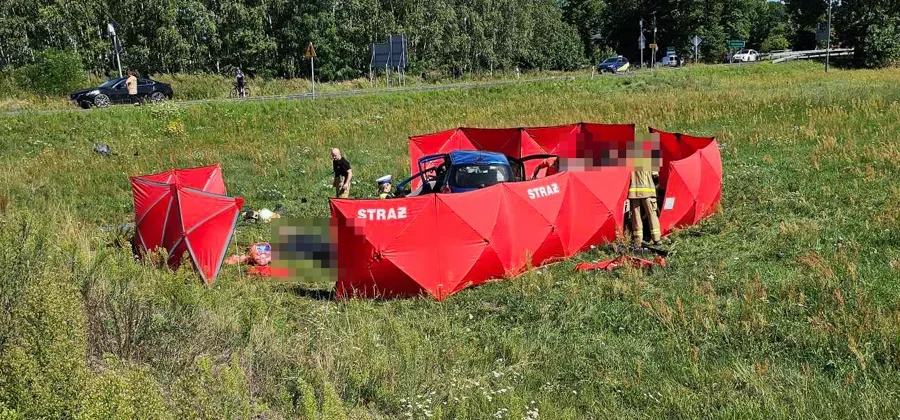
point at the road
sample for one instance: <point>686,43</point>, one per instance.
<point>341,94</point>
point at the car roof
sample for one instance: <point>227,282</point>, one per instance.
<point>468,157</point>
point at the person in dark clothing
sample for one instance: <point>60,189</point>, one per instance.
<point>343,174</point>
<point>239,82</point>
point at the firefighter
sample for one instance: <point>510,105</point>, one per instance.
<point>642,198</point>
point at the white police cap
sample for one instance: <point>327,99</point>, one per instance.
<point>384,180</point>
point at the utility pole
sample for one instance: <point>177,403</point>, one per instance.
<point>641,43</point>
<point>828,42</point>
<point>653,63</point>
<point>116,45</point>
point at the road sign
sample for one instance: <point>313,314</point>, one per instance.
<point>642,42</point>
<point>670,51</point>
<point>654,46</point>
<point>311,55</point>
<point>822,32</point>
<point>736,44</point>
<point>696,41</point>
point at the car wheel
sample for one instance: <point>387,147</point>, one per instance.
<point>157,97</point>
<point>101,100</point>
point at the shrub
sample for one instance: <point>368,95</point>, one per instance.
<point>774,43</point>
<point>55,72</point>
<point>307,405</point>
<point>123,393</point>
<point>332,408</point>
<point>879,46</point>
<point>212,391</point>
<point>42,340</point>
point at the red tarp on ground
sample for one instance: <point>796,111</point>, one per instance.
<point>441,243</point>
<point>175,216</point>
<point>620,261</point>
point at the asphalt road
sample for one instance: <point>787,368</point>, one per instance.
<point>341,94</point>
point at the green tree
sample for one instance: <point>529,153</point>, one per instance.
<point>872,27</point>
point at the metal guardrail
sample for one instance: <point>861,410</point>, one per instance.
<point>781,57</point>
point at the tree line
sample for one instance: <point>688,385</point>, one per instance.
<point>269,37</point>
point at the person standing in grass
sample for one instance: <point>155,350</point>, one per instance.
<point>239,82</point>
<point>343,174</point>
<point>132,84</point>
<point>642,197</point>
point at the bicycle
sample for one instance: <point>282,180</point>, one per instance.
<point>236,92</point>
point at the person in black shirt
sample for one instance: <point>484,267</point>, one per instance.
<point>342,174</point>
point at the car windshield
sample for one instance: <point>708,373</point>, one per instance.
<point>109,83</point>
<point>744,52</point>
<point>476,176</point>
<point>611,60</point>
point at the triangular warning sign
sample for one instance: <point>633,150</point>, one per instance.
<point>310,51</point>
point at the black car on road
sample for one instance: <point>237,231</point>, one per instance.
<point>114,91</point>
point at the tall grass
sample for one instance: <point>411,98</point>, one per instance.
<point>14,96</point>
<point>784,305</point>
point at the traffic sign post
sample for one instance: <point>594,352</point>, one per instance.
<point>696,41</point>
<point>653,48</point>
<point>311,55</point>
<point>734,44</point>
<point>642,43</point>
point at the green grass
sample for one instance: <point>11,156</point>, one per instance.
<point>211,86</point>
<point>787,304</point>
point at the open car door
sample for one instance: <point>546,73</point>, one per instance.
<point>519,165</point>
<point>432,171</point>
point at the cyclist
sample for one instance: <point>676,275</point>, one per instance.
<point>239,83</point>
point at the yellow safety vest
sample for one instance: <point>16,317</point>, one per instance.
<point>642,185</point>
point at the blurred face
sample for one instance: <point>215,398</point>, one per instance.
<point>335,154</point>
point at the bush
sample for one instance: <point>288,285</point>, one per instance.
<point>123,393</point>
<point>42,340</point>
<point>307,405</point>
<point>880,45</point>
<point>774,43</point>
<point>54,72</point>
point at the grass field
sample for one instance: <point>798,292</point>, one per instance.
<point>785,305</point>
<point>189,87</point>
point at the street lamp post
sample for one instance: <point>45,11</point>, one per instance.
<point>828,39</point>
<point>642,45</point>
<point>112,32</point>
<point>653,63</point>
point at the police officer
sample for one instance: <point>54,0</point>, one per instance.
<point>642,198</point>
<point>384,187</point>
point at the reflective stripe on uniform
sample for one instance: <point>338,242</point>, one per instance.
<point>638,189</point>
